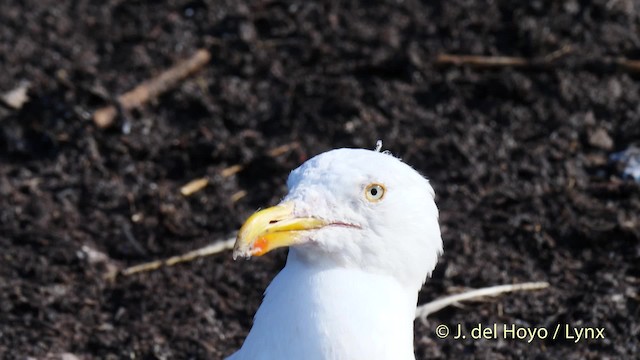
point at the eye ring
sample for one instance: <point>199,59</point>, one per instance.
<point>374,192</point>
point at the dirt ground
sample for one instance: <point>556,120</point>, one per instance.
<point>518,157</point>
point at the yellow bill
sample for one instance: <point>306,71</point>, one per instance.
<point>272,228</point>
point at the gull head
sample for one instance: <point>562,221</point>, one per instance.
<point>352,208</point>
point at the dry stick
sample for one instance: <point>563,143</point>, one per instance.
<point>196,185</point>
<point>628,65</point>
<point>208,250</point>
<point>275,152</point>
<point>481,61</point>
<point>231,170</point>
<point>632,66</point>
<point>501,61</point>
<point>555,55</point>
<point>151,88</point>
<point>429,308</point>
<point>238,195</point>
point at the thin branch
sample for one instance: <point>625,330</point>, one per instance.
<point>194,186</point>
<point>502,61</point>
<point>434,306</point>
<point>275,152</point>
<point>152,88</point>
<point>208,250</point>
<point>282,149</point>
<point>628,65</point>
<point>235,197</point>
<point>231,170</point>
<point>566,49</point>
<point>481,61</point>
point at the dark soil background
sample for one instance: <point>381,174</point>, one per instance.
<point>518,158</point>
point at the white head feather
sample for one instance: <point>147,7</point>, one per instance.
<point>398,235</point>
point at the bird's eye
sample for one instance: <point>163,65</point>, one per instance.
<point>374,192</point>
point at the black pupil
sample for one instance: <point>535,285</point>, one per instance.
<point>374,192</point>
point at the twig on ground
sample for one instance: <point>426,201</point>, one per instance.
<point>482,61</point>
<point>275,152</point>
<point>151,88</point>
<point>628,65</point>
<point>231,170</point>
<point>555,55</point>
<point>502,61</point>
<point>238,195</point>
<point>194,186</point>
<point>217,247</point>
<point>434,306</point>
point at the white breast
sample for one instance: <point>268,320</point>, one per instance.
<point>335,313</point>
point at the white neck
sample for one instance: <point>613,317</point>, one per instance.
<point>311,313</point>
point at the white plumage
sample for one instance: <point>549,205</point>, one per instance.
<point>363,232</point>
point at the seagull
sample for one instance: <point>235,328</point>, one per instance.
<point>363,235</point>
